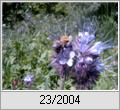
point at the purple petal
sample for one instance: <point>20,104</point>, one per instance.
<point>99,47</point>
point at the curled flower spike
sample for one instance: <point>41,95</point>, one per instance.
<point>84,38</point>
<point>99,47</point>
<point>79,58</point>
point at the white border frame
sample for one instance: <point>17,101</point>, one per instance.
<point>60,90</point>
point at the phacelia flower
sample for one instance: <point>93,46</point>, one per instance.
<point>79,58</point>
<point>28,79</point>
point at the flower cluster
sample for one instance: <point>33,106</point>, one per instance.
<point>79,58</point>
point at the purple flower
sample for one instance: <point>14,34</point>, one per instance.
<point>82,41</point>
<point>28,79</point>
<point>99,47</point>
<point>85,37</point>
<point>80,59</point>
<point>88,60</point>
<point>99,66</point>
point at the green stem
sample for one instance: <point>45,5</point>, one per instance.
<point>62,82</point>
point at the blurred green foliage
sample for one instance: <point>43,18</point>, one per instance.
<point>15,12</point>
<point>27,49</point>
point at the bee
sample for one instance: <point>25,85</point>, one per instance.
<point>60,43</point>
<point>64,40</point>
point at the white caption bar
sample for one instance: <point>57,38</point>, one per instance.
<point>60,100</point>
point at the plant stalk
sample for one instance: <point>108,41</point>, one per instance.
<point>62,82</point>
